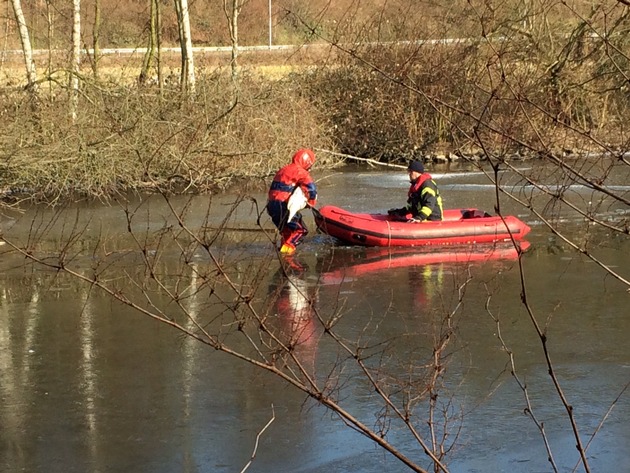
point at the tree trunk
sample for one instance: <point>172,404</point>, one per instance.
<point>232,15</point>
<point>185,40</point>
<point>31,72</point>
<point>50,31</point>
<point>76,58</point>
<point>147,61</point>
<point>158,42</point>
<point>95,37</point>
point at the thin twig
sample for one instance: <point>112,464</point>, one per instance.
<point>600,425</point>
<point>251,459</point>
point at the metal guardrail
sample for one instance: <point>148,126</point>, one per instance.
<point>227,49</point>
<point>196,49</point>
<point>285,47</point>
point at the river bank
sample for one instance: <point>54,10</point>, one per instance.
<point>132,137</point>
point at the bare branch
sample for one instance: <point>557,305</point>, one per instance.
<point>262,431</point>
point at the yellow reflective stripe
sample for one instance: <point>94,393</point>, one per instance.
<point>428,190</point>
<point>426,211</point>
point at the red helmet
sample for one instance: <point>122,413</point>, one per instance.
<point>304,157</point>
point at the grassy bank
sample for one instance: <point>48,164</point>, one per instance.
<point>131,138</point>
<point>387,103</point>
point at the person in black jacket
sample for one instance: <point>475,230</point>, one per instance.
<point>423,200</point>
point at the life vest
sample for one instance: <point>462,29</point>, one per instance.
<point>287,179</point>
<point>424,200</point>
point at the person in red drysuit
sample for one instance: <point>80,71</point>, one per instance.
<point>285,181</point>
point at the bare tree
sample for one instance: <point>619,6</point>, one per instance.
<point>275,336</point>
<point>76,59</point>
<point>50,33</point>
<point>29,62</point>
<point>153,45</point>
<point>521,56</point>
<point>232,9</point>
<point>185,41</point>
<point>96,36</point>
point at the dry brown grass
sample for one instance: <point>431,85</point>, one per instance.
<point>128,138</point>
<point>388,102</point>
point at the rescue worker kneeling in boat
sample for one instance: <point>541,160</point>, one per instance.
<point>423,201</point>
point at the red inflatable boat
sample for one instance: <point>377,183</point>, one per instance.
<point>459,227</point>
